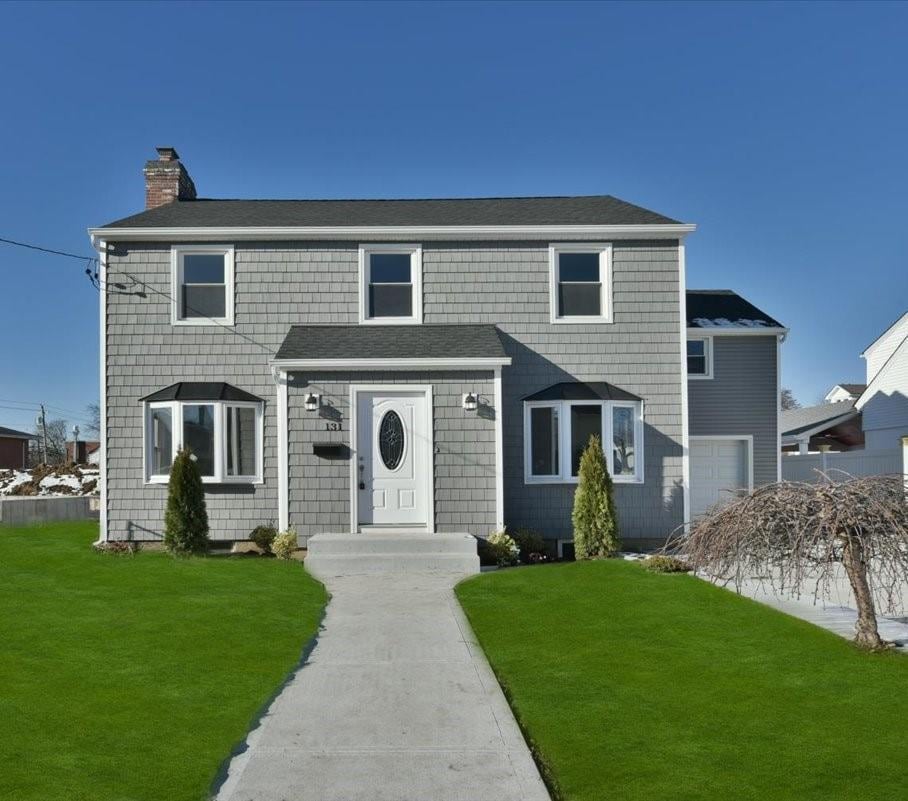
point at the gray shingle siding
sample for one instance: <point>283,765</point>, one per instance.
<point>464,449</point>
<point>281,284</point>
<point>740,398</point>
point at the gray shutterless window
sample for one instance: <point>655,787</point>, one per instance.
<point>390,285</point>
<point>242,428</point>
<point>203,291</point>
<point>161,441</point>
<point>697,357</point>
<point>586,421</point>
<point>579,285</point>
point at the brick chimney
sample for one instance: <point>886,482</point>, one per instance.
<point>166,179</point>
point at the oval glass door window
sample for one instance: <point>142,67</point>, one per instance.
<point>391,440</point>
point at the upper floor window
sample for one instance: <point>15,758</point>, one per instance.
<point>699,358</point>
<point>581,278</point>
<point>557,432</point>
<point>390,284</point>
<point>202,284</point>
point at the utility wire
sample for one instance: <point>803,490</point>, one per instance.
<point>96,282</point>
<point>47,250</point>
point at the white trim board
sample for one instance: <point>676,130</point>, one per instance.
<point>391,364</point>
<point>700,333</point>
<point>392,232</point>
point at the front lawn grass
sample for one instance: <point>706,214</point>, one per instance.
<point>631,685</point>
<point>126,678</point>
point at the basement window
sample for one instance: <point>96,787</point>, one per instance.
<point>390,284</point>
<point>202,284</point>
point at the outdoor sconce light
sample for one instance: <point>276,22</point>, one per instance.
<point>311,402</point>
<point>470,401</point>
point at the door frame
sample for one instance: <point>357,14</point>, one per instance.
<point>429,485</point>
<point>748,439</point>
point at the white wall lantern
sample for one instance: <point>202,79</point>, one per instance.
<point>470,401</point>
<point>311,402</point>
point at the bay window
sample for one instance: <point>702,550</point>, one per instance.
<point>557,432</point>
<point>225,438</point>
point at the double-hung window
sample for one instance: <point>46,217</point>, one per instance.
<point>202,285</point>
<point>581,278</point>
<point>699,358</point>
<point>225,438</point>
<point>390,289</point>
<point>557,432</point>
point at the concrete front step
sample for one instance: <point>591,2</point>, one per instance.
<point>353,554</point>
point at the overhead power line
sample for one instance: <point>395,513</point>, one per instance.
<point>47,250</point>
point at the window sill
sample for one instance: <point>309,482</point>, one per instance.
<point>225,482</point>
<point>212,321</point>
<point>582,321</point>
<point>698,377</point>
<point>390,321</point>
<point>536,480</point>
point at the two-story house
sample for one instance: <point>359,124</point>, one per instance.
<point>420,365</point>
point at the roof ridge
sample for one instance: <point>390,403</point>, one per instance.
<point>394,199</point>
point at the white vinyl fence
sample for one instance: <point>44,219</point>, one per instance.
<point>805,467</point>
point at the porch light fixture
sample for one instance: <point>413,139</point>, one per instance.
<point>470,401</point>
<point>311,402</point>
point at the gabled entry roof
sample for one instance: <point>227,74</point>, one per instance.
<point>386,345</point>
<point>580,390</point>
<point>201,391</point>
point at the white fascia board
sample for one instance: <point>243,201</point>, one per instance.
<point>390,364</point>
<point>700,333</point>
<point>871,388</point>
<point>394,232</point>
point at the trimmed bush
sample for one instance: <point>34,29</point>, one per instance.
<point>530,543</point>
<point>263,537</point>
<point>186,518</point>
<point>503,548</point>
<point>594,518</point>
<point>284,544</point>
<point>661,563</point>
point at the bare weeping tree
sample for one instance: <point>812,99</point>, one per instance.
<point>795,534</point>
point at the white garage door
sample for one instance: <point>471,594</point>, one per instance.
<point>718,472</point>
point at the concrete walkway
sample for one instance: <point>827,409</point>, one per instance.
<point>395,703</point>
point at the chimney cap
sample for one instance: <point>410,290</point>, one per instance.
<point>167,154</point>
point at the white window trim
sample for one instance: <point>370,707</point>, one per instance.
<point>707,352</point>
<point>220,435</point>
<point>564,437</point>
<point>177,252</point>
<point>415,253</point>
<point>604,249</point>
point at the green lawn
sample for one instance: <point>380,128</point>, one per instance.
<point>128,678</point>
<point>638,686</point>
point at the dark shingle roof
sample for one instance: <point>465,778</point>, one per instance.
<point>796,421</point>
<point>583,390</point>
<point>590,210</point>
<point>722,308</point>
<point>11,432</point>
<point>201,391</point>
<point>392,342</point>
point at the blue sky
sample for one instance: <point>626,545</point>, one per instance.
<point>780,130</point>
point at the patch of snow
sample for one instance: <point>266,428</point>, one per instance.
<point>56,480</point>
<point>12,479</point>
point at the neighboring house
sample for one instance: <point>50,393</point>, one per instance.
<point>86,452</point>
<point>14,449</point>
<point>844,392</point>
<point>733,367</point>
<point>884,402</point>
<point>419,365</point>
<point>836,424</point>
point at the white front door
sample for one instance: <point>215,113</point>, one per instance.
<point>393,458</point>
<point>719,472</point>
